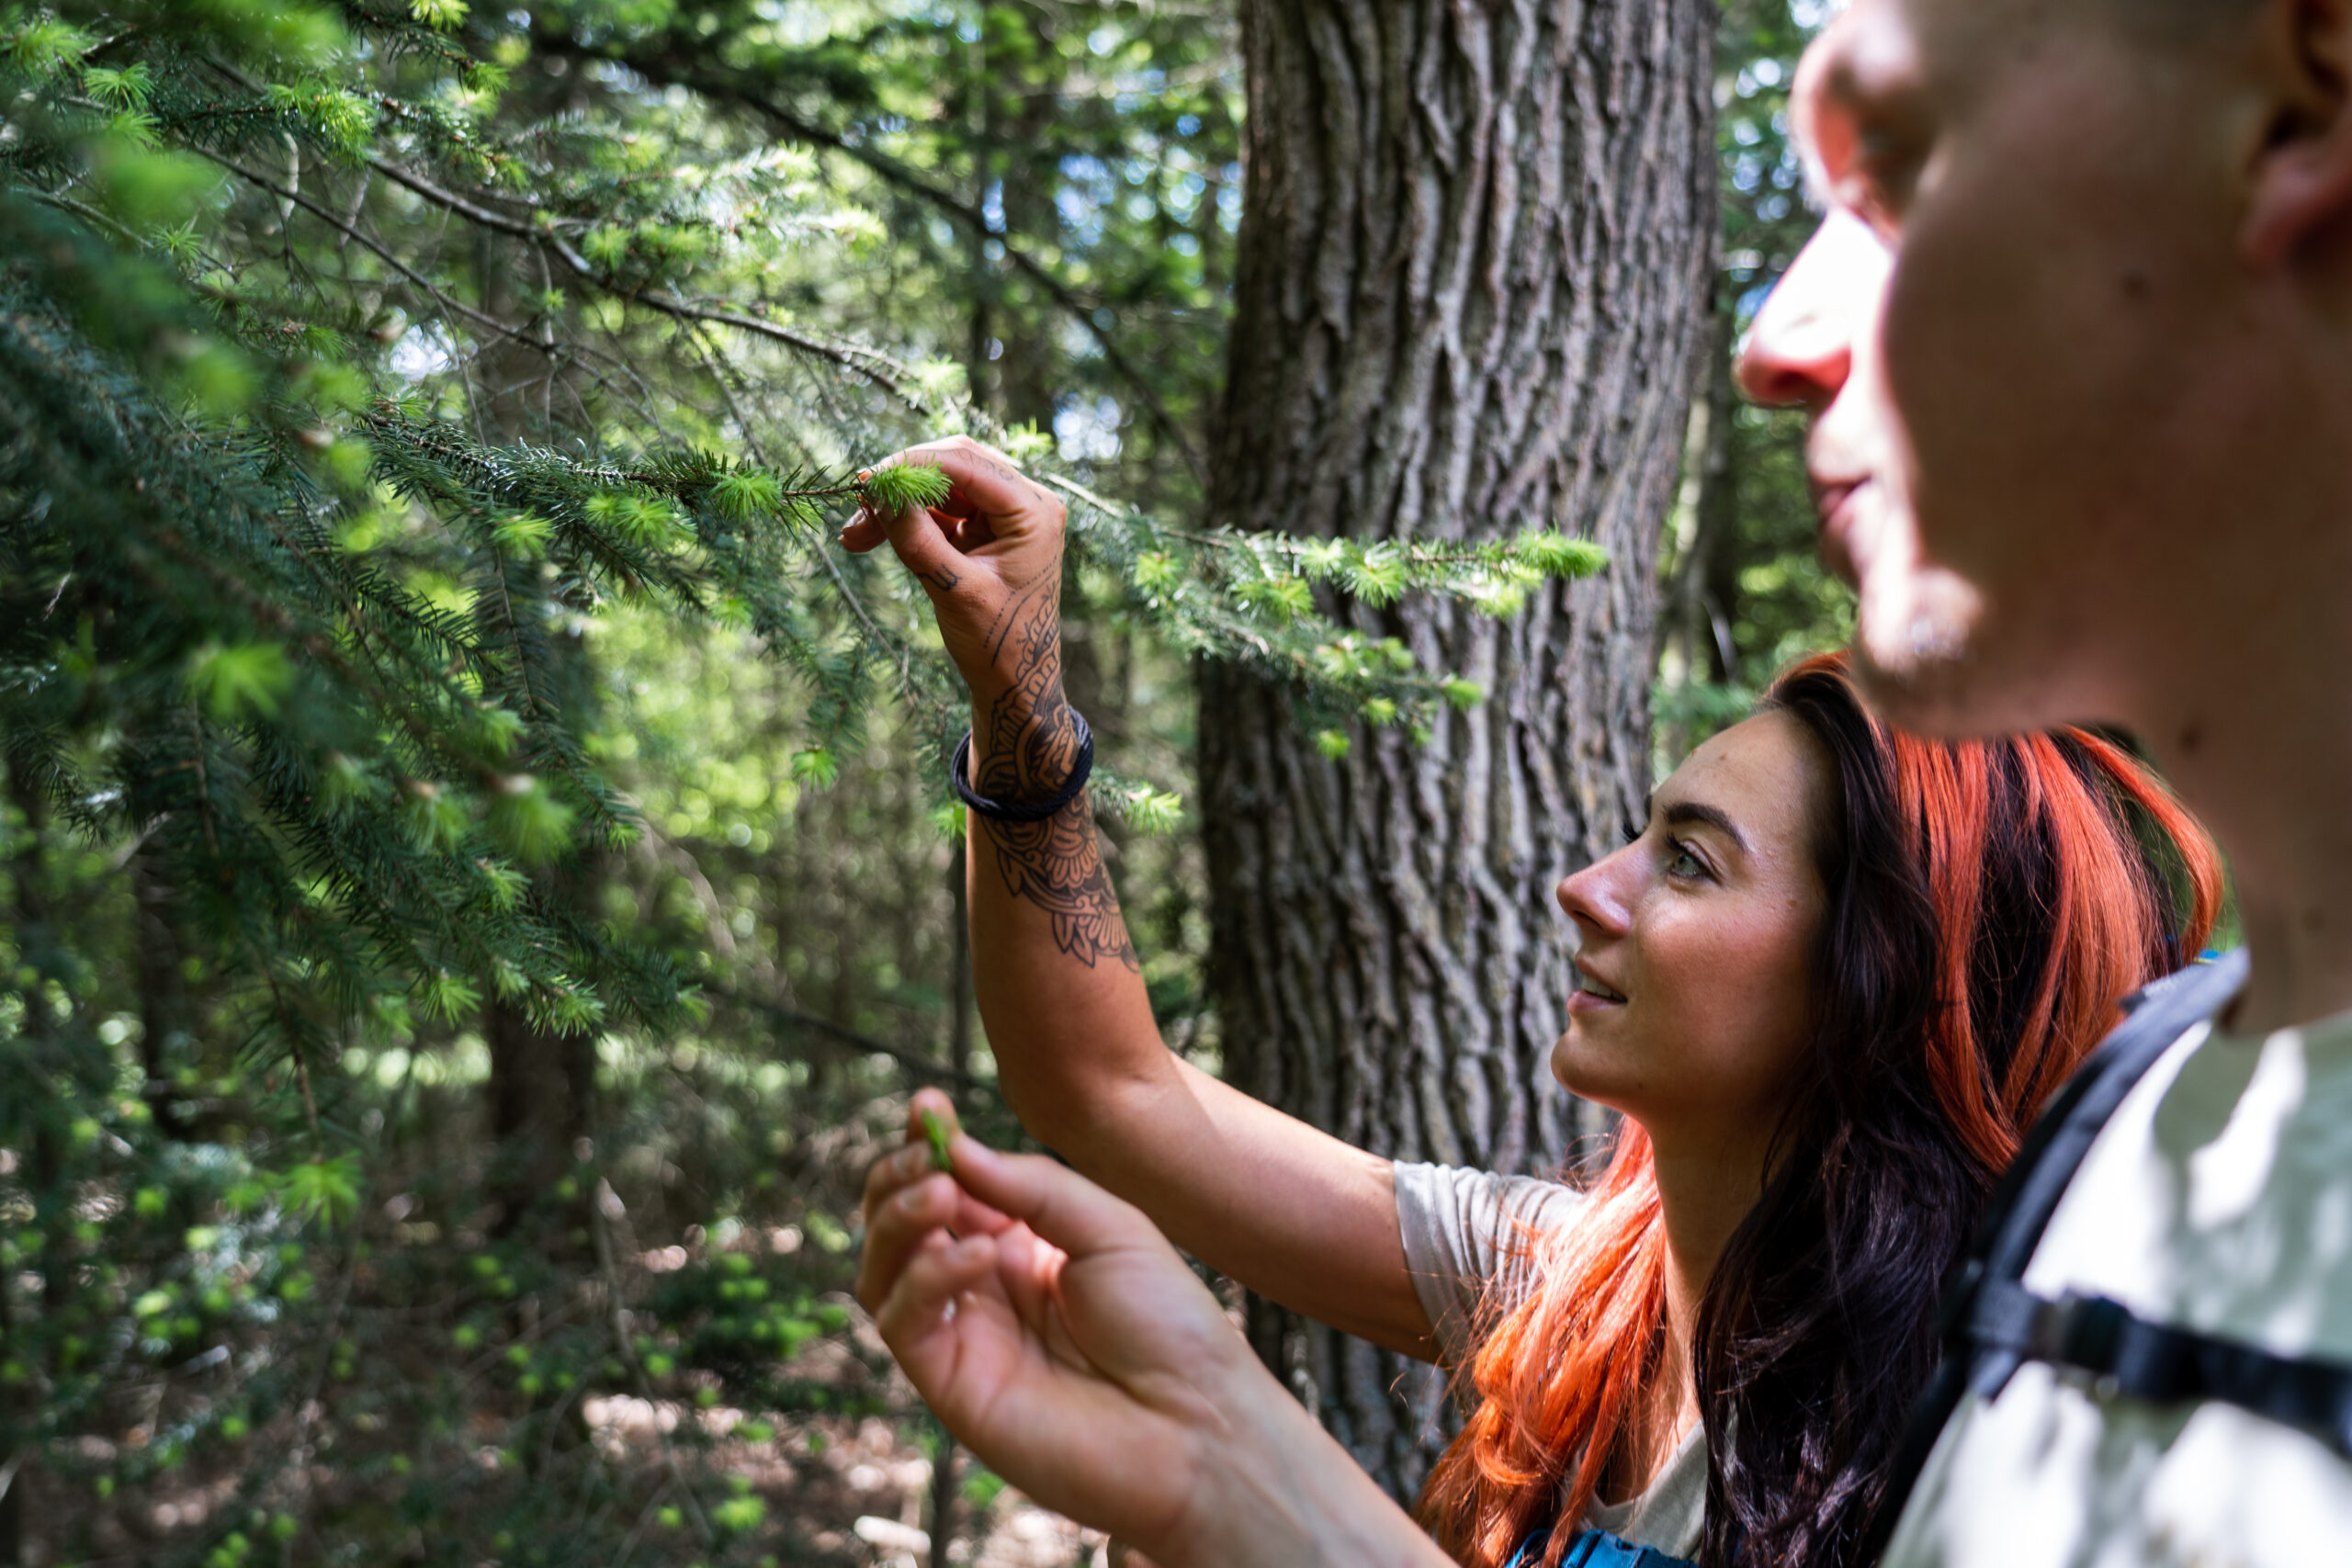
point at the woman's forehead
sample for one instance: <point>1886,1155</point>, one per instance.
<point>1767,772</point>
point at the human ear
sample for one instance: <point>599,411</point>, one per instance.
<point>2303,179</point>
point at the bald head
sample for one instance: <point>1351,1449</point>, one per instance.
<point>2178,18</point>
<point>2103,392</point>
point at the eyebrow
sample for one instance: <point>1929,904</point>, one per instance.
<point>1683,813</point>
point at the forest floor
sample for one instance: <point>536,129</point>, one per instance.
<point>858,1490</point>
<point>839,1490</point>
<point>416,1452</point>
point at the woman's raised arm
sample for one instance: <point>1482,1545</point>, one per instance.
<point>1292,1212</point>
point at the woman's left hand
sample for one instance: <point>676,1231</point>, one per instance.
<point>1076,1367</point>
<point>1060,1339</point>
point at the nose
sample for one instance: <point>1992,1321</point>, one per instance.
<point>1800,349</point>
<point>1600,898</point>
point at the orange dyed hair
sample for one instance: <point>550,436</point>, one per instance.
<point>1989,901</point>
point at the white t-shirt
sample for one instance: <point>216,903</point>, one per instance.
<point>1464,1230</point>
<point>2218,1199</point>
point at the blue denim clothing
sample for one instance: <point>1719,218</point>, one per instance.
<point>1594,1549</point>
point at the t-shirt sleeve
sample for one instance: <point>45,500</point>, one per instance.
<point>1463,1229</point>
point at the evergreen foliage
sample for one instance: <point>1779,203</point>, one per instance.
<point>369,387</point>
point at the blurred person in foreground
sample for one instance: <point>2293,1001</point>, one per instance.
<point>2078,343</point>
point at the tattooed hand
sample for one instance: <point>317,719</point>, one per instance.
<point>990,559</point>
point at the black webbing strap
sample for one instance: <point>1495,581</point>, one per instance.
<point>2022,1205</point>
<point>2160,1363</point>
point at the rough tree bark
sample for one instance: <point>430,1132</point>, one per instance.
<point>1473,271</point>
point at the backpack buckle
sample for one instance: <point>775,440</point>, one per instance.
<point>2081,1331</point>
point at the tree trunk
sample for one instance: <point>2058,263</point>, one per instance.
<point>1474,267</point>
<point>541,1103</point>
<point>542,1099</point>
<point>1699,572</point>
<point>166,1023</point>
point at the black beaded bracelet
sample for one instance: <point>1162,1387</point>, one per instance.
<point>1014,811</point>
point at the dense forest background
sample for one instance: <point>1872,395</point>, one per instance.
<point>476,881</point>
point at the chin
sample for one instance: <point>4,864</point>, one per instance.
<point>1939,698</point>
<point>1934,660</point>
<point>1565,1065</point>
<point>1574,1070</point>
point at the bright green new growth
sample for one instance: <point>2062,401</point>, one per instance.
<point>740,497</point>
<point>892,490</point>
<point>936,1130</point>
<point>1251,599</point>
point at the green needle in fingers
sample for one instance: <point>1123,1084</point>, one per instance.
<point>936,1131</point>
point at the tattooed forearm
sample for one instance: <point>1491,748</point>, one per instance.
<point>1055,864</point>
<point>1027,751</point>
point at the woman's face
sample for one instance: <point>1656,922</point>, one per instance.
<point>1695,999</point>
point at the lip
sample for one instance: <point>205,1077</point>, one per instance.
<point>1834,500</point>
<point>1582,1001</point>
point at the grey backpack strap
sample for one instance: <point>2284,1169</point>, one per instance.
<point>2019,1210</point>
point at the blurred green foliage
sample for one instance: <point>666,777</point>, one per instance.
<point>1744,588</point>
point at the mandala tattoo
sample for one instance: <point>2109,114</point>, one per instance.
<point>1031,746</point>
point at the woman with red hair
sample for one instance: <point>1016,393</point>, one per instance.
<point>1723,1330</point>
<point>1829,984</point>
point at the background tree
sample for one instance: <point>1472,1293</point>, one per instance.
<point>1474,259</point>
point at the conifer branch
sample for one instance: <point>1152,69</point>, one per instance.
<point>893,375</point>
<point>847,1040</point>
<point>665,70</point>
<point>382,253</point>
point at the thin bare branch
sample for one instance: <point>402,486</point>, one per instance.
<point>891,372</point>
<point>668,72</point>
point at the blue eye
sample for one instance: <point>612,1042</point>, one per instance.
<point>1684,863</point>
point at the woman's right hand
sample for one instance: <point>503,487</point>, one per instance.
<point>990,559</point>
<point>1059,1335</point>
